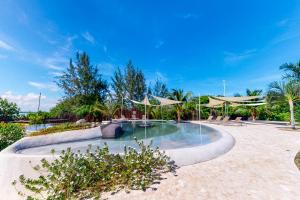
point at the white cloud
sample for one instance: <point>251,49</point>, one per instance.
<point>6,46</point>
<point>230,57</point>
<point>56,73</point>
<point>88,37</point>
<point>47,86</point>
<point>29,101</point>
<point>159,44</point>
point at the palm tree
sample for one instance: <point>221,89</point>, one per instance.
<point>109,108</point>
<point>253,108</point>
<point>287,92</point>
<point>178,95</point>
<point>292,70</point>
<point>90,111</point>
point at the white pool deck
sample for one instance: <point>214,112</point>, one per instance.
<point>259,166</point>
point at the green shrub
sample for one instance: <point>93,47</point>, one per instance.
<point>10,133</point>
<point>38,118</point>
<point>60,128</point>
<point>81,176</point>
<point>8,111</point>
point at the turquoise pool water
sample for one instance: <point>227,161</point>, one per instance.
<point>165,135</point>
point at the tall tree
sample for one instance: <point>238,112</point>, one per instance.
<point>118,85</point>
<point>140,84</point>
<point>179,95</point>
<point>253,108</point>
<point>83,80</point>
<point>285,92</point>
<point>160,89</point>
<point>134,82</point>
<point>292,71</point>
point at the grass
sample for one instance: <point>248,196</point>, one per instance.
<point>60,128</point>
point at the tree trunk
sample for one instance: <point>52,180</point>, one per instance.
<point>178,116</point>
<point>291,104</point>
<point>253,113</point>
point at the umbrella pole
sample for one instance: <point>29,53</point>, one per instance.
<point>145,113</point>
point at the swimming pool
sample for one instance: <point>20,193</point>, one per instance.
<point>165,135</point>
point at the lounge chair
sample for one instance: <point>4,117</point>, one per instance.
<point>224,120</point>
<point>237,121</point>
<point>210,118</point>
<point>217,120</point>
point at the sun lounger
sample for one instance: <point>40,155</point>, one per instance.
<point>237,121</point>
<point>210,118</point>
<point>224,120</point>
<point>217,120</point>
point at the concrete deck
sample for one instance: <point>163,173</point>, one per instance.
<point>260,166</point>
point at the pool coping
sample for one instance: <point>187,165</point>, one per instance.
<point>182,156</point>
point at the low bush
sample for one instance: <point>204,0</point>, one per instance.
<point>82,176</point>
<point>10,133</point>
<point>60,128</point>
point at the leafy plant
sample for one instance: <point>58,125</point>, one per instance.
<point>10,133</point>
<point>80,176</point>
<point>8,110</point>
<point>38,118</point>
<point>179,95</point>
<point>285,92</point>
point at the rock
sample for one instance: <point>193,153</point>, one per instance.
<point>112,130</point>
<point>81,121</point>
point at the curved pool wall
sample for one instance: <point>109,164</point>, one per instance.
<point>13,163</point>
<point>165,135</point>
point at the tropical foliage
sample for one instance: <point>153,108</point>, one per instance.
<point>10,133</point>
<point>86,176</point>
<point>179,95</point>
<point>8,110</point>
<point>285,92</point>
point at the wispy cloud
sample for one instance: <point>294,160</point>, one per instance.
<point>283,22</point>
<point>107,69</point>
<point>231,57</point>
<point>105,48</point>
<point>46,86</point>
<point>29,101</point>
<point>55,73</point>
<point>266,78</point>
<point>189,16</point>
<point>6,46</point>
<point>290,30</point>
<point>86,35</point>
<point>159,43</point>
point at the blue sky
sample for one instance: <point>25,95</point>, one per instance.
<point>192,45</point>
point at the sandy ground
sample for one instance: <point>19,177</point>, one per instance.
<point>260,166</point>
